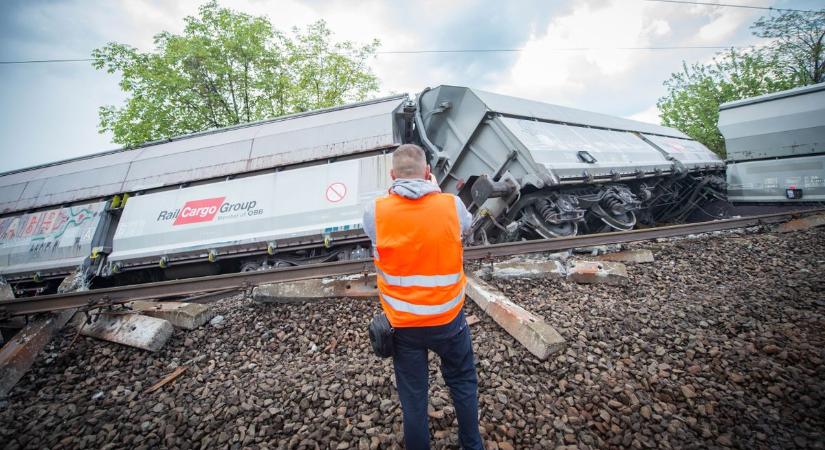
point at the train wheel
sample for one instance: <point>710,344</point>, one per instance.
<point>621,222</point>
<point>549,230</point>
<point>250,266</point>
<point>561,230</point>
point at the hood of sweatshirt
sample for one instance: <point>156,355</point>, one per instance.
<point>413,188</point>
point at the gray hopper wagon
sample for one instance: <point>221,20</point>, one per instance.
<point>291,190</point>
<point>530,169</point>
<point>776,146</point>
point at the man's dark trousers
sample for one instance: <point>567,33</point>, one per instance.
<point>452,343</point>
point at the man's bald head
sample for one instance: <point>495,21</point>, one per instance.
<point>409,161</point>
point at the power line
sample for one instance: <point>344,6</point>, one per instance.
<point>38,61</point>
<point>466,50</point>
<point>436,51</point>
<point>559,49</point>
<point>515,50</point>
<point>729,5</point>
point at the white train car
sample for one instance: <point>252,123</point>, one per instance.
<point>256,222</point>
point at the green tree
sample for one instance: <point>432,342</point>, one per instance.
<point>798,41</point>
<point>791,55</point>
<point>694,94</point>
<point>228,68</point>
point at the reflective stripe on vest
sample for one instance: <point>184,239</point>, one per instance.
<point>422,310</point>
<point>420,280</point>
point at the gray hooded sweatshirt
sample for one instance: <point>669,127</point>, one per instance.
<point>414,189</point>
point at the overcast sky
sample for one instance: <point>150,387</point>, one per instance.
<point>49,111</point>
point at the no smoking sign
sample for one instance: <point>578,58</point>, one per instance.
<point>336,192</point>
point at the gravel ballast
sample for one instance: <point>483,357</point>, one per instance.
<point>720,342</point>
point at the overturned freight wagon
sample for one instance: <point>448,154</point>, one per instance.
<point>530,169</point>
<point>776,146</point>
<point>291,190</point>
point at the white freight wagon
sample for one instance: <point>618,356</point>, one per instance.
<point>257,217</point>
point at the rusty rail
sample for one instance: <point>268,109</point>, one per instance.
<point>122,294</point>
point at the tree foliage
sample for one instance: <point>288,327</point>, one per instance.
<point>228,68</point>
<point>695,93</point>
<point>792,56</point>
<point>798,41</point>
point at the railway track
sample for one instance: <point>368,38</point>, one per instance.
<point>118,295</point>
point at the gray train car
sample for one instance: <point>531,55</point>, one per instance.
<point>47,245</point>
<point>531,169</point>
<point>265,172</point>
<point>299,138</point>
<point>291,190</point>
<point>776,146</point>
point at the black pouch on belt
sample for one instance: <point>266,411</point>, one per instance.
<point>381,336</point>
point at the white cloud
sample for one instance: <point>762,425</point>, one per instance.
<point>549,70</point>
<point>649,115</point>
<point>722,26</point>
<point>361,24</point>
<point>660,28</point>
<point>619,82</point>
<point>719,24</point>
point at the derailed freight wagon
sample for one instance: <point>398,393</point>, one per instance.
<point>776,146</point>
<point>529,169</point>
<point>291,190</point>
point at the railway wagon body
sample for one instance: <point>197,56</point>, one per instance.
<point>776,146</point>
<point>288,155</point>
<point>255,222</point>
<point>291,190</point>
<point>46,246</point>
<point>531,169</point>
<point>207,156</point>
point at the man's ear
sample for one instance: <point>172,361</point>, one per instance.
<point>427,172</point>
<point>392,174</point>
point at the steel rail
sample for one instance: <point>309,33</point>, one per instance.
<point>187,286</point>
<point>589,240</point>
<point>246,280</point>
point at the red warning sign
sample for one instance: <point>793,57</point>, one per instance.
<point>336,192</point>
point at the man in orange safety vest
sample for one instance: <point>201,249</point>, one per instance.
<point>416,232</point>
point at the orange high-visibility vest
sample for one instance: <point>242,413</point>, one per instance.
<point>419,259</point>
